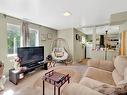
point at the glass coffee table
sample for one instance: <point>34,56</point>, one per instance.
<point>55,78</point>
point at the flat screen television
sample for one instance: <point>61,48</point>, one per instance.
<point>30,55</point>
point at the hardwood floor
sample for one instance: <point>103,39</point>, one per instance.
<point>84,61</point>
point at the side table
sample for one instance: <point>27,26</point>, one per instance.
<point>14,76</point>
<point>55,78</point>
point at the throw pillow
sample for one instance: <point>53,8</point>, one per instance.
<point>106,90</point>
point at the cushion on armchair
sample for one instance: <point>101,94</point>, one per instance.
<point>78,89</point>
<point>59,54</point>
<point>116,76</point>
<point>100,75</point>
<point>91,83</point>
<point>101,64</point>
<point>107,90</point>
<point>125,74</point>
<point>120,64</point>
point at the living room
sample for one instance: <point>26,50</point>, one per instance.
<point>76,40</point>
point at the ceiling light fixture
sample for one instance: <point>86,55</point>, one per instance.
<point>67,14</point>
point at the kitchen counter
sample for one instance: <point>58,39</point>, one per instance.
<point>102,54</point>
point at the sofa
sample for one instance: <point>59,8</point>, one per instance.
<point>101,78</point>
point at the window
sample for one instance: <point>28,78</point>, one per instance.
<point>33,37</point>
<point>13,38</point>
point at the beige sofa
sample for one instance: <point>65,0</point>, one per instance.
<point>98,74</point>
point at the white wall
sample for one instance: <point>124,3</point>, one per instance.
<point>8,60</point>
<point>79,50</point>
<point>123,27</point>
<point>67,35</point>
<point>3,42</point>
<point>48,42</point>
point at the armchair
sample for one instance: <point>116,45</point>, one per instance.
<point>101,78</point>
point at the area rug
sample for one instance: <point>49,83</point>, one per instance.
<point>74,71</point>
<point>32,85</point>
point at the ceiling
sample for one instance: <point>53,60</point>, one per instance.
<point>101,30</point>
<point>50,12</point>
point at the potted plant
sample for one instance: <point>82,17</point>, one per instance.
<point>17,64</point>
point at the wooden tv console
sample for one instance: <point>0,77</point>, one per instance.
<point>14,76</point>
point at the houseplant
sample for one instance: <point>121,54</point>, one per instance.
<point>17,64</point>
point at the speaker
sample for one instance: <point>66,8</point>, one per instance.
<point>45,66</point>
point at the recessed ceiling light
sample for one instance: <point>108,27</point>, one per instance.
<point>67,14</point>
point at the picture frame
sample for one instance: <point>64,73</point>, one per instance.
<point>43,37</point>
<point>49,36</point>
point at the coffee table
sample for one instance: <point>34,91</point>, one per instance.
<point>55,78</point>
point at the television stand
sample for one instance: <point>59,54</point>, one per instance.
<point>15,76</point>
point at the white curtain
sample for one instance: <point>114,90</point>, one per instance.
<point>25,34</point>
